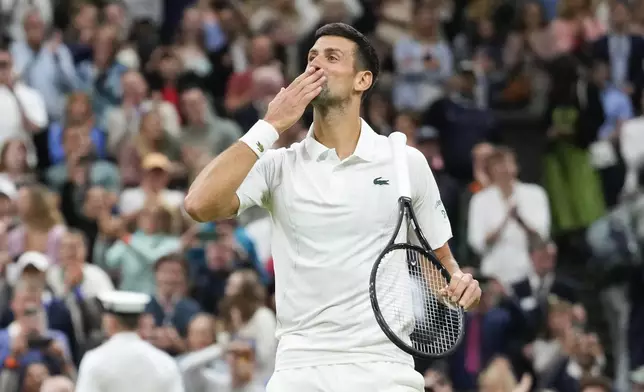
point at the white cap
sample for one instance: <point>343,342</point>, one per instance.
<point>8,188</point>
<point>38,260</point>
<point>124,302</point>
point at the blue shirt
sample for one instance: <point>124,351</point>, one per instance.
<point>617,107</point>
<point>30,356</point>
<point>57,151</point>
<point>52,74</point>
<point>619,49</point>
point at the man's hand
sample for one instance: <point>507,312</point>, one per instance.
<point>19,345</point>
<point>463,290</point>
<point>289,104</point>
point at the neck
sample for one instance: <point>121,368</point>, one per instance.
<point>338,128</point>
<point>620,29</point>
<point>506,188</point>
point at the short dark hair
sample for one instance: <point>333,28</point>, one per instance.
<point>596,382</point>
<point>174,258</point>
<point>129,322</point>
<point>366,56</point>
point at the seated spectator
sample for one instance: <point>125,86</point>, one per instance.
<point>24,110</point>
<point>423,61</point>
<point>574,27</point>
<point>41,226</point>
<point>79,34</point>
<point>205,132</point>
<point>154,187</point>
<point>171,308</point>
<point>123,121</point>
<point>82,162</point>
<point>503,217</point>
<point>152,138</point>
<point>101,76</point>
<point>17,162</point>
<point>73,275</point>
<point>243,308</point>
<point>78,114</point>
<point>134,256</point>
<point>78,284</point>
<point>543,281</point>
<point>44,63</point>
<point>203,357</point>
<point>28,339</point>
<point>191,42</point>
<point>496,327</point>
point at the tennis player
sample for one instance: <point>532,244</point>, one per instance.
<point>333,202</point>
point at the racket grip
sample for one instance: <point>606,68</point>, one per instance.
<point>398,142</point>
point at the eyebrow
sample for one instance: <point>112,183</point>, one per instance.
<point>327,50</point>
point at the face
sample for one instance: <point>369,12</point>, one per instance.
<point>620,15</point>
<point>200,333</point>
<point>532,14</point>
<point>228,21</point>
<point>504,169</point>
<point>261,50</point>
<point>169,277</point>
<point>23,300</point>
<point>34,377</point>
<point>191,20</point>
<point>151,127</point>
<point>194,106</point>
<point>425,18</point>
<point>86,17</point>
<point>6,65</point>
<point>147,221</point>
<point>15,157</point>
<point>78,111</point>
<point>337,57</point>
<point>134,86</point>
<point>220,253</point>
<point>34,29</point>
<point>559,321</point>
<point>114,14</point>
<point>72,249</point>
<point>170,67</point>
<point>157,178</point>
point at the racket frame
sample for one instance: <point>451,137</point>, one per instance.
<point>406,214</point>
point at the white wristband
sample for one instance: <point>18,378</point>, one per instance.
<point>260,137</point>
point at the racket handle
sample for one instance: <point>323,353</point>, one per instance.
<point>398,142</point>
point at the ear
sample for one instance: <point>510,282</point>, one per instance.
<point>362,81</point>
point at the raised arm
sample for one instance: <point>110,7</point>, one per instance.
<point>212,195</point>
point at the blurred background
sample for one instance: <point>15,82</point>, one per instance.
<point>528,111</point>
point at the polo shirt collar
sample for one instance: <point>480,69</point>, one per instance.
<point>365,149</point>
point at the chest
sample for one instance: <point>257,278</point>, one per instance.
<point>329,199</point>
<point>36,241</point>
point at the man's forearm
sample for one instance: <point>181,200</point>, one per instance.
<point>212,194</point>
<point>444,255</point>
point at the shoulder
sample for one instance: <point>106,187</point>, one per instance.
<point>534,190</point>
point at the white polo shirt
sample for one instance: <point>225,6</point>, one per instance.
<point>331,221</point>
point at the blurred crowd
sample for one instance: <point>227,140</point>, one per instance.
<point>528,111</point>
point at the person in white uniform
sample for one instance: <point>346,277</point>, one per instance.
<point>333,204</point>
<point>126,363</point>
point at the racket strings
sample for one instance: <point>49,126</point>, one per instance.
<point>408,290</point>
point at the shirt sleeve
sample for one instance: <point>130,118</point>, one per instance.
<point>427,203</point>
<point>256,190</point>
<point>34,106</point>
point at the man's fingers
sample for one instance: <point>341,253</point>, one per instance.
<point>295,83</point>
<point>470,296</point>
<point>308,97</point>
<point>307,88</point>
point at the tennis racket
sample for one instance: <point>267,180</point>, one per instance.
<point>406,280</point>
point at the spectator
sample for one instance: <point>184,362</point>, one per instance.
<point>247,318</point>
<point>498,377</point>
<point>28,339</point>
<point>205,132</point>
<point>151,138</point>
<point>78,115</point>
<point>79,34</point>
<point>574,27</point>
<point>24,111</point>
<point>171,308</point>
<point>124,121</point>
<point>191,43</point>
<point>154,187</point>
<point>503,218</point>
<point>41,225</point>
<point>423,61</point>
<point>134,256</point>
<point>17,164</point>
<point>45,64</point>
<point>101,76</point>
<point>595,384</point>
